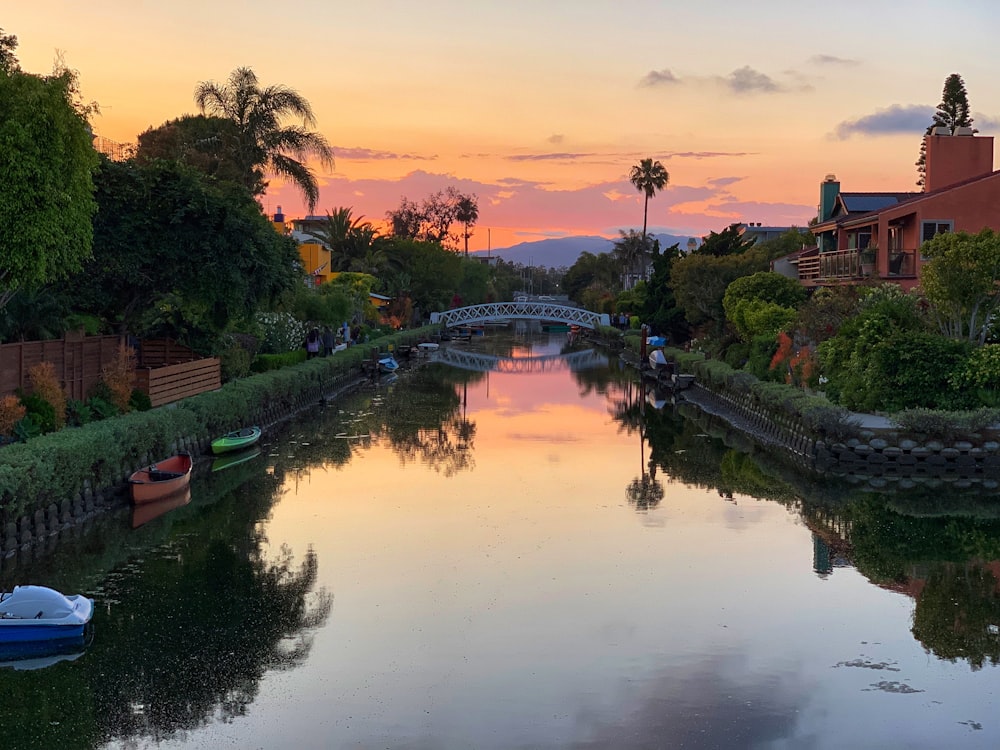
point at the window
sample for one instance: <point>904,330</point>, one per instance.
<point>930,228</point>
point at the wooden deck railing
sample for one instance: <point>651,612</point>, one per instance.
<point>843,266</point>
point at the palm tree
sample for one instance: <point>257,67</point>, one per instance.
<point>467,212</point>
<point>648,176</point>
<point>344,236</point>
<point>263,144</point>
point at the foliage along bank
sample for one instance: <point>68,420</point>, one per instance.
<point>60,474</point>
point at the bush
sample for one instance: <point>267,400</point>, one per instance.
<point>946,425</point>
<point>45,384</point>
<point>117,375</point>
<point>78,413</point>
<point>12,411</point>
<point>139,401</point>
<point>40,411</point>
<point>266,362</point>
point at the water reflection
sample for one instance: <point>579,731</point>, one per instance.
<point>496,588</point>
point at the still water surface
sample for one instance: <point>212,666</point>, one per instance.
<point>533,557</point>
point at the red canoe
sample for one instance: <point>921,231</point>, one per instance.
<point>163,478</point>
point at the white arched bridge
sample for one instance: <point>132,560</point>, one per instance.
<point>498,311</point>
<point>466,360</point>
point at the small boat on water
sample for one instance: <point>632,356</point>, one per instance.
<point>658,361</point>
<point>428,346</point>
<point>38,613</point>
<point>157,481</point>
<point>236,440</point>
<point>388,363</point>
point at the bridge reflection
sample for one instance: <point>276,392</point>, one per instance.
<point>478,362</point>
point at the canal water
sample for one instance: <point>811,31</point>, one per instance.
<point>521,547</point>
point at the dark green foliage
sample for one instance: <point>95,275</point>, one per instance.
<point>27,428</point>
<point>905,370</point>
<point>266,362</point>
<point>178,256</point>
<point>41,412</point>
<point>139,401</point>
<point>46,192</point>
<point>102,408</point>
<point>730,241</point>
<point>660,309</point>
<point>945,425</point>
<point>78,413</point>
<point>762,351</point>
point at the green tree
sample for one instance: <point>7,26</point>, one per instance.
<point>206,143</point>
<point>648,177</point>
<point>47,162</point>
<point>351,241</point>
<point>762,303</point>
<point>8,60</point>
<point>630,250</point>
<point>700,281</point>
<point>660,309</point>
<point>961,282</point>
<point>467,214</point>
<point>178,255</point>
<point>730,241</point>
<point>951,113</point>
<point>591,272</point>
<point>431,219</point>
<point>263,144</point>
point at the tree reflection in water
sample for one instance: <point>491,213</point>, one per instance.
<point>939,544</point>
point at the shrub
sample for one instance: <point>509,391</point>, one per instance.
<point>946,425</point>
<point>139,401</point>
<point>118,375</point>
<point>281,332</point>
<point>266,362</point>
<point>44,383</point>
<point>78,413</point>
<point>12,411</point>
<point>40,411</point>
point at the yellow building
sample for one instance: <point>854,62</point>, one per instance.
<point>314,256</point>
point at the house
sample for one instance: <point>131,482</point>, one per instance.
<point>314,255</point>
<point>880,234</point>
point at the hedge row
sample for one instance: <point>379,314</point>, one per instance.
<point>59,465</point>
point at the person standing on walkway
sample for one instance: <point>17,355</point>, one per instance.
<point>329,341</point>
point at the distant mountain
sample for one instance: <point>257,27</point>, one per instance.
<point>562,252</point>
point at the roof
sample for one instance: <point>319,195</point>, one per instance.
<point>865,202</point>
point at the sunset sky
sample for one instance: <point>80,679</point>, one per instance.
<point>541,108</point>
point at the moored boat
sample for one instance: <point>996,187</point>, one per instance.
<point>236,440</point>
<point>388,363</point>
<point>38,613</point>
<point>161,479</point>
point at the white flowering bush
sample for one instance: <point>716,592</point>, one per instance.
<point>280,332</point>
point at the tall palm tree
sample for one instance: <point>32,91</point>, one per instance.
<point>263,144</point>
<point>648,177</point>
<point>467,212</point>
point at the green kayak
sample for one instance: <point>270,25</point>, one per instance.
<point>236,440</point>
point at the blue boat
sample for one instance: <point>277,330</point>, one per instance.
<point>38,613</point>
<point>388,363</point>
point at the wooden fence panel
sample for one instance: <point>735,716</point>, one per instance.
<point>77,360</point>
<point>160,352</point>
<point>171,383</point>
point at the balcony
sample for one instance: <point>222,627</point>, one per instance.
<point>844,267</point>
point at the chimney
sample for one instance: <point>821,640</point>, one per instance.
<point>829,189</point>
<point>278,216</point>
<point>954,158</point>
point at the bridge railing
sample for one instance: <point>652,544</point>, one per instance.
<point>494,311</point>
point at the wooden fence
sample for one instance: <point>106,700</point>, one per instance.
<point>167,371</point>
<point>77,359</point>
<point>171,383</point>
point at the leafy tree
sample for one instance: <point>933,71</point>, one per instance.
<point>648,177</point>
<point>467,213</point>
<point>961,282</point>
<point>660,309</point>
<point>206,143</point>
<point>263,144</point>
<point>597,273</point>
<point>8,60</point>
<point>431,220</point>
<point>47,162</point>
<point>764,302</point>
<point>352,241</point>
<point>730,241</point>
<point>630,251</point>
<point>951,113</point>
<point>700,281</point>
<point>175,254</point>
